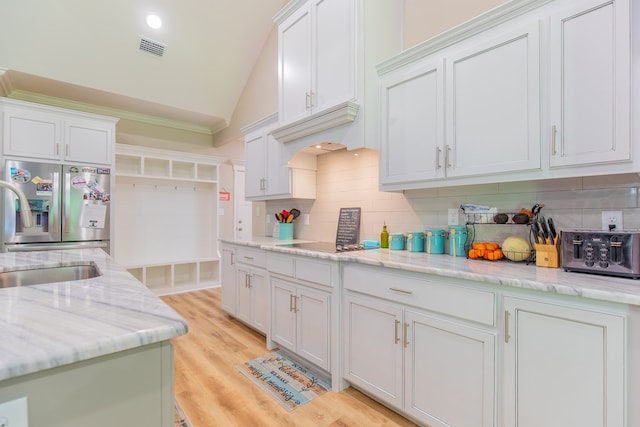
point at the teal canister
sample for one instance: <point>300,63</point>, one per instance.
<point>434,242</point>
<point>415,241</point>
<point>396,241</point>
<point>457,240</point>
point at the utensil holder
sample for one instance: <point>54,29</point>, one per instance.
<point>286,231</point>
<point>548,255</point>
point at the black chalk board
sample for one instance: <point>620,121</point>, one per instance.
<point>348,226</point>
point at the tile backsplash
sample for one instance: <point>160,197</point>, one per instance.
<point>350,179</point>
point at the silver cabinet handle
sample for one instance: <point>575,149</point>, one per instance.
<point>247,281</point>
<point>248,258</point>
<point>402,291</point>
<point>406,335</point>
<point>233,262</point>
<point>66,150</point>
<point>438,152</point>
<point>307,102</point>
<point>447,157</point>
<point>397,337</point>
<point>507,316</point>
<point>554,131</point>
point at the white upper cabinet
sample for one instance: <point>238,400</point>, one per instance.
<point>266,177</point>
<point>529,90</point>
<point>41,132</point>
<point>317,58</point>
<point>589,85</point>
<point>327,78</point>
<point>493,103</point>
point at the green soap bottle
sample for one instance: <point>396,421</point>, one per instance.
<point>384,237</point>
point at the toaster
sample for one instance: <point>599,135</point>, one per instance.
<point>612,253</point>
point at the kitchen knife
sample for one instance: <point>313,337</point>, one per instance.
<point>536,232</point>
<point>545,230</point>
<point>552,229</point>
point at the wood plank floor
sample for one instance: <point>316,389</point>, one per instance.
<point>214,393</point>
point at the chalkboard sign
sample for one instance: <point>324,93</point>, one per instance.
<point>348,226</point>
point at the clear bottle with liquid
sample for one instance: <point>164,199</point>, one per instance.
<point>384,237</point>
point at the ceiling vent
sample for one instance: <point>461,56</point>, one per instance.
<point>151,46</point>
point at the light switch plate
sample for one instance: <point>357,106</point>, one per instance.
<point>14,413</point>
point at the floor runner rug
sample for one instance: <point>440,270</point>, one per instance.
<point>289,383</point>
<point>180,418</point>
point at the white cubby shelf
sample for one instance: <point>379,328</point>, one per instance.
<point>166,218</point>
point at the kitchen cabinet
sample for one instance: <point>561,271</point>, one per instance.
<point>228,279</point>
<point>563,365</point>
<point>326,73</point>
<point>589,83</point>
<point>266,177</point>
<point>421,345</point>
<point>486,122</point>
<point>300,320</point>
<point>166,218</point>
<point>37,131</point>
<point>305,301</point>
<point>529,90</point>
<point>252,289</point>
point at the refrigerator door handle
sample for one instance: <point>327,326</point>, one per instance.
<point>54,210</point>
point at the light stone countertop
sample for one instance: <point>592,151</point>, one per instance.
<point>502,273</point>
<point>50,325</point>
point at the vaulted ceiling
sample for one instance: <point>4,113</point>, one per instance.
<point>88,51</point>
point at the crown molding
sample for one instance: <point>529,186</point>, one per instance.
<point>106,111</point>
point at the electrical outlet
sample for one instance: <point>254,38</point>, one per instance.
<point>307,219</point>
<point>453,217</point>
<point>612,220</point>
<point>14,413</point>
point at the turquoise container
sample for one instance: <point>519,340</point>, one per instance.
<point>415,241</point>
<point>396,241</point>
<point>434,241</point>
<point>457,240</point>
<point>286,231</point>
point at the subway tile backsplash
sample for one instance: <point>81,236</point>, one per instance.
<point>350,179</point>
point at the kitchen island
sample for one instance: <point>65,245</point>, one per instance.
<point>428,335</point>
<point>86,352</point>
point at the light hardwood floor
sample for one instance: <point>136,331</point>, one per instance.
<point>214,393</point>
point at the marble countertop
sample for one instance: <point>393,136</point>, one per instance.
<point>50,325</point>
<point>502,273</point>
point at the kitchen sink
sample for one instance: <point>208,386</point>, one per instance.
<point>38,276</point>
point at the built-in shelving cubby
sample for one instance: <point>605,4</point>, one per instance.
<point>166,218</point>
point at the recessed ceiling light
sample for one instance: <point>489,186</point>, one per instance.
<point>154,21</point>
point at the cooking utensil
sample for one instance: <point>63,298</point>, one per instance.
<point>279,217</point>
<point>295,212</point>
<point>289,219</point>
<point>552,229</point>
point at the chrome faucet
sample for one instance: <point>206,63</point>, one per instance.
<point>25,210</point>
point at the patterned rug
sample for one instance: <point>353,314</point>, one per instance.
<point>289,383</point>
<point>180,419</point>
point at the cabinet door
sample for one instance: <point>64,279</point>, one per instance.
<point>294,66</point>
<point>563,366</point>
<point>278,177</point>
<point>449,366</point>
<point>333,53</point>
<point>373,348</point>
<point>252,304</point>
<point>283,314</point>
<point>590,83</point>
<point>493,119</point>
<point>312,309</point>
<point>88,142</point>
<point>255,175</point>
<point>32,135</point>
<point>412,127</point>
<point>228,282</point>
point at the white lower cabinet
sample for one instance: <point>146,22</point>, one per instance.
<point>253,294</point>
<point>563,366</point>
<point>228,279</point>
<point>436,369</point>
<point>300,320</point>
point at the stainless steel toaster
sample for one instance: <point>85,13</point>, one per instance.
<point>614,253</point>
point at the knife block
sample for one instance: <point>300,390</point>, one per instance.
<point>548,255</point>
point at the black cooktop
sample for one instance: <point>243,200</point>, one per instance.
<point>328,247</point>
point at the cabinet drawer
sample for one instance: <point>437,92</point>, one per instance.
<point>254,257</point>
<point>280,264</point>
<point>314,271</point>
<point>438,294</point>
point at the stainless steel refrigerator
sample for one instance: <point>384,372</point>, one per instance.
<point>69,205</point>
